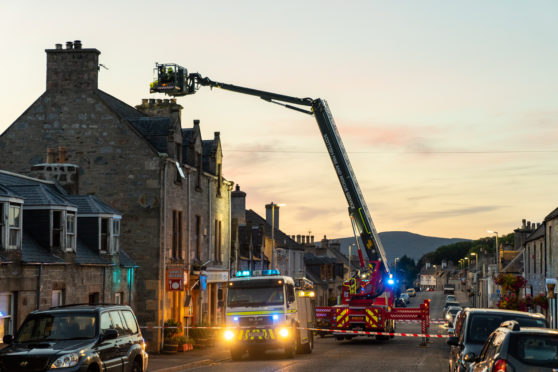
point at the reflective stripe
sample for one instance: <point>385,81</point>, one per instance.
<point>266,312</point>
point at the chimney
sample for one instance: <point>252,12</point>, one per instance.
<point>72,68</point>
<point>298,239</point>
<point>238,205</point>
<point>523,226</point>
<point>303,240</point>
<point>528,225</point>
<point>272,214</point>
<point>65,174</point>
<point>312,239</point>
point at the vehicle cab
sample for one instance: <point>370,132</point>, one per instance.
<point>262,312</point>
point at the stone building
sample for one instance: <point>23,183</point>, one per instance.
<point>165,179</point>
<point>55,248</point>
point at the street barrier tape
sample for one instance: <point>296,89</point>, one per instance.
<point>418,320</point>
<point>336,331</point>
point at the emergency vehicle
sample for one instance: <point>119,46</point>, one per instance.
<point>265,311</point>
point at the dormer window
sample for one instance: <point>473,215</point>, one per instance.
<point>71,232</point>
<point>14,226</point>
<point>109,234</point>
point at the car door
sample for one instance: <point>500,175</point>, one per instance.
<point>121,343</point>
<point>107,349</point>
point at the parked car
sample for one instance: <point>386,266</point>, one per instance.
<point>450,298</point>
<point>474,326</point>
<point>76,338</point>
<point>405,297</point>
<point>411,292</point>
<point>449,304</point>
<point>519,349</point>
<point>400,302</point>
<point>450,314</point>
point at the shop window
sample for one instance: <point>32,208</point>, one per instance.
<point>6,314</point>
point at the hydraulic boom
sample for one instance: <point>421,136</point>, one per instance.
<point>174,80</point>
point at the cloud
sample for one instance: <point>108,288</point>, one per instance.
<point>449,213</point>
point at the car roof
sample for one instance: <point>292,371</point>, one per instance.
<point>455,308</point>
<point>80,308</point>
<point>502,311</point>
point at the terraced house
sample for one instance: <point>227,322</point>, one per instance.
<point>166,181</point>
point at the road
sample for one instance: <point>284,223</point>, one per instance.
<point>360,354</point>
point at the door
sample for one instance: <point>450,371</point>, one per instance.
<point>108,349</point>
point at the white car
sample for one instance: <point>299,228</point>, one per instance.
<point>450,315</point>
<point>405,296</point>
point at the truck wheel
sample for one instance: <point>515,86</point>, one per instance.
<point>237,353</point>
<point>289,351</point>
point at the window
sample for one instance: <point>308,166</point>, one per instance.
<point>198,237</point>
<point>6,314</point>
<point>217,241</point>
<point>534,258</point>
<point>70,232</point>
<point>105,235</point>
<point>117,323</point>
<point>2,224</point>
<point>14,224</point>
<point>199,160</point>
<point>115,235</point>
<point>219,179</point>
<point>118,298</point>
<point>57,297</point>
<point>177,235</point>
<point>56,228</point>
<point>94,298</point>
<point>130,321</point>
<point>105,322</point>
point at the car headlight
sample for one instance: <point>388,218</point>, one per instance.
<point>228,335</point>
<point>448,316</point>
<point>283,332</point>
<point>66,361</point>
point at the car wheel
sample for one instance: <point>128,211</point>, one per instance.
<point>237,353</point>
<point>289,351</point>
<point>137,367</point>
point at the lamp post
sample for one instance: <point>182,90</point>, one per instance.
<point>476,260</point>
<point>468,262</point>
<point>496,250</point>
<point>273,258</point>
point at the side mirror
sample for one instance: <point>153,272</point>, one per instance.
<point>8,339</point>
<point>453,341</point>
<point>470,357</point>
<point>109,334</point>
<point>451,331</point>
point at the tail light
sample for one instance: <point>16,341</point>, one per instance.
<point>501,366</point>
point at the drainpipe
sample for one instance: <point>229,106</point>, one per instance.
<point>104,283</point>
<point>164,229</point>
<point>39,280</point>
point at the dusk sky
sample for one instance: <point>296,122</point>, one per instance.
<point>448,109</point>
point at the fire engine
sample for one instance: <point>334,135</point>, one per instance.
<point>266,310</point>
<point>368,297</point>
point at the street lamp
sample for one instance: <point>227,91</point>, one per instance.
<point>476,260</point>
<point>497,253</point>
<point>273,259</point>
<point>461,261</point>
<point>468,262</point>
<point>395,263</point>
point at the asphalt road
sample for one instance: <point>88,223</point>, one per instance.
<point>362,353</point>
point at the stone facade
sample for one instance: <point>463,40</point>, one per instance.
<point>139,164</point>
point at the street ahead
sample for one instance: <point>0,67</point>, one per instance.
<point>362,353</point>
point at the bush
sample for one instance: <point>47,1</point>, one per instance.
<point>181,340</point>
<point>171,332</point>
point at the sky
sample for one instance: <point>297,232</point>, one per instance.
<point>448,109</point>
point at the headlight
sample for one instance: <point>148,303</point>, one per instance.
<point>228,335</point>
<point>283,332</point>
<point>448,316</point>
<point>66,361</point>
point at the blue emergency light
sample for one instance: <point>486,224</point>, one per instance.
<point>243,273</point>
<point>247,273</point>
<point>391,281</point>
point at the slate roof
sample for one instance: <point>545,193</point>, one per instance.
<point>207,151</point>
<point>4,260</point>
<point>282,239</point>
<point>311,259</point>
<point>88,204</point>
<point>5,192</point>
<point>40,194</point>
<point>552,215</point>
<point>86,255</point>
<point>516,264</point>
<point>154,129</point>
<point>537,234</point>
<point>125,260</point>
<point>122,109</point>
<point>32,252</point>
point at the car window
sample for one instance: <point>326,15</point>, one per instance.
<point>58,326</point>
<point>130,320</point>
<point>535,349</point>
<point>486,347</point>
<point>118,323</point>
<point>105,322</point>
<point>482,325</point>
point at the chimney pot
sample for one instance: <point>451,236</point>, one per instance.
<point>166,101</point>
<point>173,100</point>
<point>196,122</point>
<point>77,44</point>
<point>151,101</point>
<point>58,46</point>
<point>159,101</point>
<point>69,45</point>
<point>62,154</point>
<point>144,102</point>
<point>51,155</point>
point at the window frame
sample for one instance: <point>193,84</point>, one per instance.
<point>70,233</point>
<point>9,317</point>
<point>18,229</point>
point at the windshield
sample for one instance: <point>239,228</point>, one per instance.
<point>54,327</point>
<point>537,350</point>
<point>482,325</point>
<point>255,293</point>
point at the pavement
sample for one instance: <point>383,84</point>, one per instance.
<point>188,359</point>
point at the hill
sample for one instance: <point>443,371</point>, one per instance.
<point>399,243</point>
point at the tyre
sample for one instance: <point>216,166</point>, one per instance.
<point>137,367</point>
<point>289,351</point>
<point>237,353</point>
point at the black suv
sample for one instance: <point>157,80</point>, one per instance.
<point>76,338</point>
<point>518,349</point>
<point>473,326</point>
